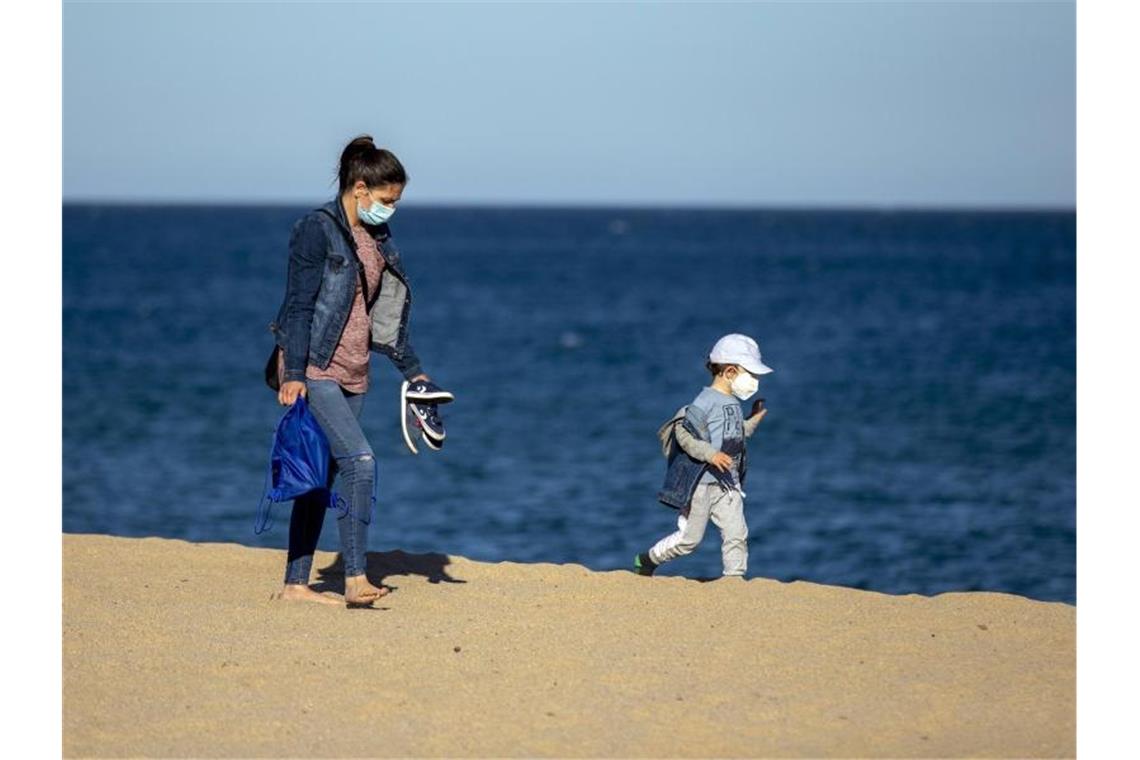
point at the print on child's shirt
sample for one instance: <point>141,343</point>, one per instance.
<point>733,436</point>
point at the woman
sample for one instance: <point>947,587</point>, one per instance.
<point>346,295</point>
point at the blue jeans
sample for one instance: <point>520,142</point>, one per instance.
<point>338,412</point>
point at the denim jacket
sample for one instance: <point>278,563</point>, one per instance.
<point>682,471</point>
<point>320,288</point>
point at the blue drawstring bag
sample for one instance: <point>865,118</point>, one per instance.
<point>298,463</point>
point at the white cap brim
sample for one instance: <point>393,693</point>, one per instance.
<point>756,368</point>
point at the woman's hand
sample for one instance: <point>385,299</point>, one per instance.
<point>721,461</point>
<point>287,396</point>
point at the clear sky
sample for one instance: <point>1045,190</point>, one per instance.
<point>785,104</point>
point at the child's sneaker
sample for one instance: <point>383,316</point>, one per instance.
<point>426,392</point>
<point>642,565</point>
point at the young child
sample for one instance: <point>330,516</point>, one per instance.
<point>704,445</point>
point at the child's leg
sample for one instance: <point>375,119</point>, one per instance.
<point>727,513</point>
<point>690,530</point>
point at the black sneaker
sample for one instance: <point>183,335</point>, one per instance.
<point>642,565</point>
<point>430,423</point>
<point>426,392</point>
<point>417,417</point>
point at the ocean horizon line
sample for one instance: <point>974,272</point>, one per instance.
<point>588,207</point>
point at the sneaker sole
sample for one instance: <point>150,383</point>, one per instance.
<point>404,417</point>
<point>432,444</point>
<point>439,397</point>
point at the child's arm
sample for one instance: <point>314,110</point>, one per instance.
<point>700,450</point>
<point>758,412</point>
<point>751,423</point>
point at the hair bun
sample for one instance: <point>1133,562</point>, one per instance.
<point>362,160</point>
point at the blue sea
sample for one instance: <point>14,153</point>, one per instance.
<point>920,438</point>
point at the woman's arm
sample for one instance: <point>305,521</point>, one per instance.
<point>308,247</point>
<point>409,364</point>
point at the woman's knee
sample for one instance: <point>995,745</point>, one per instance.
<point>361,465</point>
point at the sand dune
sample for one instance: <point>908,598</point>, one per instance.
<point>175,649</point>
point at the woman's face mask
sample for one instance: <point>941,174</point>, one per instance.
<point>375,214</point>
<point>744,384</point>
<point>373,211</point>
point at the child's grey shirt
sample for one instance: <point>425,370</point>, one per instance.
<point>720,414</point>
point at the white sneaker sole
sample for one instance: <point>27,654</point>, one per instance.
<point>439,397</point>
<point>404,417</point>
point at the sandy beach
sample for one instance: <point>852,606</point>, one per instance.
<point>177,649</point>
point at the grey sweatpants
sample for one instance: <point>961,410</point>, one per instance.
<point>726,509</point>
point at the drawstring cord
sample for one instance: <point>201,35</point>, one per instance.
<point>264,518</point>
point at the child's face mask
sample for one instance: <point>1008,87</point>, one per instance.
<point>744,384</point>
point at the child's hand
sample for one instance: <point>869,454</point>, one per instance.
<point>721,461</point>
<point>759,415</point>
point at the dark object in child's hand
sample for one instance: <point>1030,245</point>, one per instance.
<point>757,405</point>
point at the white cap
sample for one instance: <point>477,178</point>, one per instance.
<point>739,349</point>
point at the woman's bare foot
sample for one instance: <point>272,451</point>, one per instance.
<point>357,590</point>
<point>299,592</point>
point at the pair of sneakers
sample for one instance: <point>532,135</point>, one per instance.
<point>419,413</point>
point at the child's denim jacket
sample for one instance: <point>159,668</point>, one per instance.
<point>682,471</point>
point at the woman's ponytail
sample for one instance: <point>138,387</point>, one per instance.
<point>362,160</point>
